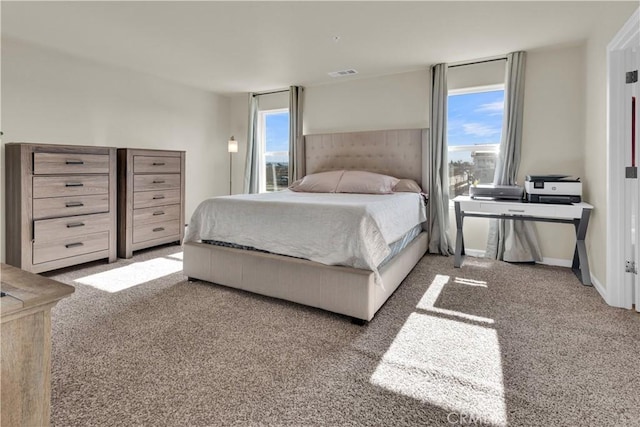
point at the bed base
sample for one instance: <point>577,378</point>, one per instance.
<point>344,290</point>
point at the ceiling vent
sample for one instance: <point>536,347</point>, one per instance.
<point>343,73</point>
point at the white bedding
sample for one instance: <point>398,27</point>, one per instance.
<point>330,228</point>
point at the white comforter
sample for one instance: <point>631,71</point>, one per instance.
<point>330,228</point>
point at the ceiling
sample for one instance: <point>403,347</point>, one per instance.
<point>230,47</point>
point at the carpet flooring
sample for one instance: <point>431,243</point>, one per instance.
<point>491,344</point>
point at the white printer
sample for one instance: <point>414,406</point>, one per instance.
<point>561,189</point>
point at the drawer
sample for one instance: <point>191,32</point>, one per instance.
<point>156,164</point>
<point>517,209</point>
<point>155,214</point>
<point>75,163</point>
<point>46,230</point>
<point>147,199</point>
<point>55,186</point>
<point>155,182</point>
<point>69,206</point>
<point>156,231</point>
<point>69,247</point>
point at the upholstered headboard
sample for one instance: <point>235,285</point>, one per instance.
<point>401,153</point>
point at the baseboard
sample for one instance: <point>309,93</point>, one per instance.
<point>478,253</point>
<point>557,262</point>
<point>601,290</point>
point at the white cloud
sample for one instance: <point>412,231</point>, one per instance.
<point>479,129</point>
<point>492,107</point>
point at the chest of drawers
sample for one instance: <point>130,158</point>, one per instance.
<point>60,205</point>
<point>151,199</point>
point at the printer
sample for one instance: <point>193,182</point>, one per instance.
<point>496,192</point>
<point>560,189</point>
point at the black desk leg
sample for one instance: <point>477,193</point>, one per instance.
<point>580,265</point>
<point>459,237</point>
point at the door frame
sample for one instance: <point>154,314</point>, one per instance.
<point>617,294</point>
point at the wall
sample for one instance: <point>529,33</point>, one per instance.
<point>476,75</point>
<point>595,161</point>
<point>553,132</point>
<point>398,101</point>
<point>552,138</point>
<point>54,98</point>
<point>389,102</point>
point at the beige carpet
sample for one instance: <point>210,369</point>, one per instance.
<point>491,343</point>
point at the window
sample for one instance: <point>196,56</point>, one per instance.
<point>474,127</point>
<point>273,136</point>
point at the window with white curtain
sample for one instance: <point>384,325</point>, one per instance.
<point>273,140</point>
<point>474,127</point>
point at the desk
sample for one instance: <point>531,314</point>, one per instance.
<point>26,345</point>
<point>577,214</point>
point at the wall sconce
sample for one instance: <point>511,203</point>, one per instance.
<point>232,147</point>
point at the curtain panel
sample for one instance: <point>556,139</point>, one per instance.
<point>296,139</point>
<point>512,240</point>
<point>439,239</point>
<point>251,170</point>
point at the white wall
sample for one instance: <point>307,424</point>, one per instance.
<point>398,101</point>
<point>389,102</point>
<point>50,97</point>
<point>476,75</point>
<point>553,131</point>
<point>552,137</point>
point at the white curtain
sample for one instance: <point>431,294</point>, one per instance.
<point>439,239</point>
<point>296,139</point>
<point>251,170</point>
<point>511,240</point>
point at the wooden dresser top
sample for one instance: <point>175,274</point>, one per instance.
<point>28,290</point>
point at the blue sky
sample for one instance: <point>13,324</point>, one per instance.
<point>277,131</point>
<point>475,118</point>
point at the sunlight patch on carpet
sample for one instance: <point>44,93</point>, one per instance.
<point>117,279</point>
<point>428,301</point>
<point>447,363</point>
<point>470,282</point>
<point>177,255</point>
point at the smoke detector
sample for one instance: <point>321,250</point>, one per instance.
<point>343,73</point>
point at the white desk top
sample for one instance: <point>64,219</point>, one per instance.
<point>509,207</point>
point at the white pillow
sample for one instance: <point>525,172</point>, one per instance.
<point>366,182</point>
<point>408,186</point>
<point>323,182</point>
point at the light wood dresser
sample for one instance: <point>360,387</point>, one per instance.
<point>25,382</point>
<point>151,197</point>
<point>60,205</point>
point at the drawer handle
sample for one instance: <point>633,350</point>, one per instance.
<point>74,184</point>
<point>158,213</point>
<point>158,163</point>
<point>73,245</point>
<point>158,229</point>
<point>74,204</point>
<point>516,210</point>
<point>158,181</point>
<point>74,162</point>
<point>75,224</point>
<point>158,197</point>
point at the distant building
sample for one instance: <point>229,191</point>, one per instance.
<point>277,176</point>
<point>484,166</point>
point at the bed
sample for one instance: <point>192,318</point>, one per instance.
<point>358,287</point>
